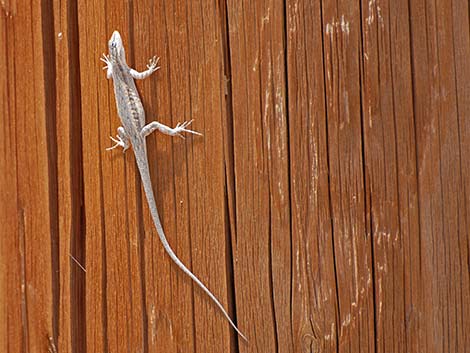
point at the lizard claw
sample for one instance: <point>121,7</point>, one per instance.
<point>105,58</point>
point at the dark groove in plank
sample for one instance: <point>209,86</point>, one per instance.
<point>232,308</point>
<point>51,136</point>
<point>78,223</point>
<point>271,280</point>
<point>228,136</point>
<point>230,190</point>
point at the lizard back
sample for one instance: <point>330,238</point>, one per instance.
<point>128,102</point>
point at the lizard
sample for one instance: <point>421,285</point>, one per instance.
<point>133,132</point>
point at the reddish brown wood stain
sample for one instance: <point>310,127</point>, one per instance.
<point>327,205</point>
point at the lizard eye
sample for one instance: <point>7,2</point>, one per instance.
<point>113,45</point>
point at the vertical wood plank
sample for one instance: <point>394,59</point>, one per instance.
<point>390,169</point>
<point>28,163</point>
<point>208,217</point>
<point>169,294</point>
<point>12,337</point>
<point>442,193</point>
<point>315,306</point>
<point>94,108</point>
<point>461,49</point>
<point>113,246</point>
<point>260,244</point>
<point>351,235</point>
<point>71,314</point>
<point>183,172</point>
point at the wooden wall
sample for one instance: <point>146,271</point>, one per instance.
<point>327,204</point>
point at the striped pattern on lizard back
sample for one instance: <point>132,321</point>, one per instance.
<point>128,103</point>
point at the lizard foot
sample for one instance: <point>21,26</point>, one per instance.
<point>105,58</point>
<point>119,142</point>
<point>181,127</point>
<point>152,65</point>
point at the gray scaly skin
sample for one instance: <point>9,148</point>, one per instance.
<point>134,131</point>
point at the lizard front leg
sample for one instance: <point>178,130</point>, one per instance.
<point>121,140</point>
<point>176,131</point>
<point>151,68</point>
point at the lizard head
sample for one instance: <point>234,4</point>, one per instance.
<point>116,49</point>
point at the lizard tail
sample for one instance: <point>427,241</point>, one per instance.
<point>145,174</point>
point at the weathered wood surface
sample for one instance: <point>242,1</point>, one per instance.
<point>327,204</point>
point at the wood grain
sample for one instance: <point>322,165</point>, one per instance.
<point>326,205</point>
<point>351,236</point>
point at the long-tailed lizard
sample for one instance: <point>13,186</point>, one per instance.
<point>134,131</point>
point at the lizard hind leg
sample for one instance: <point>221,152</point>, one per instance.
<point>176,131</point>
<point>121,140</point>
